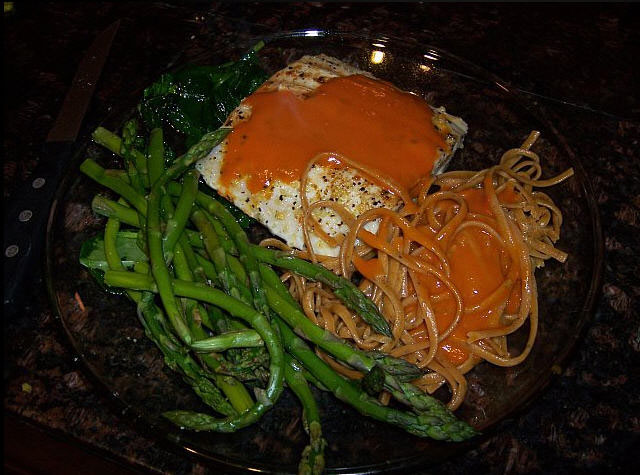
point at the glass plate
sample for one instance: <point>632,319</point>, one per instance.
<point>111,342</point>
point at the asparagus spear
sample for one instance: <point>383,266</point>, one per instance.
<point>365,361</point>
<point>113,143</point>
<point>225,241</point>
<point>99,174</point>
<point>344,289</point>
<point>312,460</point>
<point>136,162</point>
<point>244,365</point>
<point>211,242</point>
<point>233,339</point>
<point>178,220</point>
<point>327,341</point>
<point>422,425</point>
<point>208,270</point>
<point>199,266</point>
<point>155,163</point>
<point>109,208</point>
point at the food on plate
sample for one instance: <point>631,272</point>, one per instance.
<point>320,104</point>
<point>452,270</point>
<point>382,267</point>
<point>322,153</point>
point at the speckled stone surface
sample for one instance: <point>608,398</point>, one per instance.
<point>577,63</point>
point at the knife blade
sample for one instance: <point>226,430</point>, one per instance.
<point>26,214</point>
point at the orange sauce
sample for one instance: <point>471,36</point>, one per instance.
<point>367,120</point>
<point>478,269</point>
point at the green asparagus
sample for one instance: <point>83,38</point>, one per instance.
<point>248,327</point>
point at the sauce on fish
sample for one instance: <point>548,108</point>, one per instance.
<point>367,120</point>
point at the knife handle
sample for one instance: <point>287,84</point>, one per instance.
<point>25,224</point>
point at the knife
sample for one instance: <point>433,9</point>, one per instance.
<point>26,214</point>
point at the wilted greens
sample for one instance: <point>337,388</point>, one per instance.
<point>197,99</point>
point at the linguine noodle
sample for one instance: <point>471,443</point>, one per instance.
<point>410,270</point>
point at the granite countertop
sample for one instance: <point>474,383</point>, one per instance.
<point>575,61</point>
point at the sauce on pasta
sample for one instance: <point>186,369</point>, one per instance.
<point>452,270</point>
<point>479,268</point>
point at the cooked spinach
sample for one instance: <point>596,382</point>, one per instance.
<point>195,99</point>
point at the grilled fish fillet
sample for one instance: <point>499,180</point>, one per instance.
<point>279,207</point>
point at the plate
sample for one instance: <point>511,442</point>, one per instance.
<point>110,341</point>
